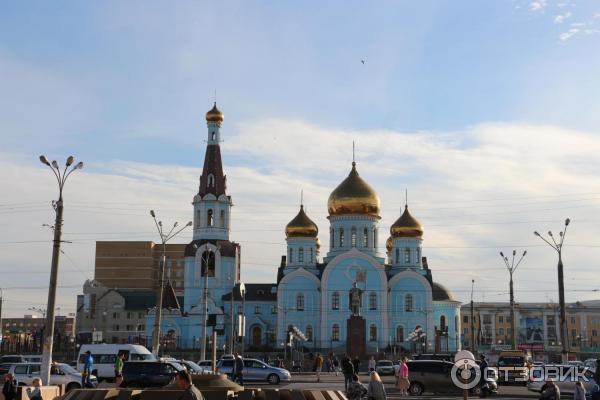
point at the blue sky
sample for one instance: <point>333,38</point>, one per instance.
<point>448,91</point>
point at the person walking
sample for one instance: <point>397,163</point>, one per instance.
<point>552,392</point>
<point>372,364</point>
<point>402,382</point>
<point>318,366</point>
<point>184,382</point>
<point>376,390</point>
<point>119,369</point>
<point>579,393</point>
<point>336,365</point>
<point>238,369</point>
<point>356,364</point>
<point>86,380</point>
<point>9,390</point>
<point>356,390</point>
<point>348,371</point>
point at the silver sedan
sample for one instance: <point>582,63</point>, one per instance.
<point>256,370</point>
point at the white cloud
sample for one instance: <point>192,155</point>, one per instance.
<point>538,5</point>
<point>559,19</point>
<point>568,34</point>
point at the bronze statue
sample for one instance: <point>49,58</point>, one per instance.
<point>355,299</point>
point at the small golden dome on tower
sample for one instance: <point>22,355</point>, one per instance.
<point>214,115</point>
<point>406,226</point>
<point>301,226</point>
<point>353,196</point>
<point>388,244</point>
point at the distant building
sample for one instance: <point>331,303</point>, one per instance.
<point>538,328</point>
<point>135,265</point>
<point>24,335</point>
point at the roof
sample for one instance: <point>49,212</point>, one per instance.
<point>212,166</point>
<point>141,300</point>
<point>254,292</point>
<point>227,248</point>
<point>440,293</point>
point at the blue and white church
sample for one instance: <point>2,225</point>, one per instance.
<point>355,298</point>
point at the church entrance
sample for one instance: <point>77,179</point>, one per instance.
<point>256,336</point>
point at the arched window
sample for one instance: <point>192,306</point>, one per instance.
<point>209,218</point>
<point>291,256</point>
<point>211,180</point>
<point>214,136</point>
<point>335,332</point>
<point>308,333</point>
<point>372,333</point>
<point>312,258</point>
<point>256,336</point>
<point>456,329</point>
<point>397,256</point>
<point>365,237</point>
<point>208,263</point>
<point>331,238</point>
<point>407,256</point>
<point>373,301</point>
<point>341,237</point>
<point>375,237</point>
<point>418,260</point>
<point>399,333</point>
<point>198,218</point>
<point>335,301</point>
<point>301,254</point>
<point>443,322</point>
<point>300,302</point>
<point>222,219</point>
<point>408,303</point>
<point>353,237</point>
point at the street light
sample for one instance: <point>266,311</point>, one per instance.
<point>205,260</point>
<point>512,267</point>
<point>61,179</point>
<point>164,238</point>
<point>557,246</point>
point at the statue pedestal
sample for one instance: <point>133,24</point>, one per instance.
<point>356,343</point>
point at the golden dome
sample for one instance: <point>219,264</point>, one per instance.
<point>301,226</point>
<point>353,196</point>
<point>214,115</point>
<point>388,244</point>
<point>406,226</point>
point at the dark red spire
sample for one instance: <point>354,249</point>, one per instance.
<point>212,180</point>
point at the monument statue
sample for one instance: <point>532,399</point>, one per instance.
<point>355,299</point>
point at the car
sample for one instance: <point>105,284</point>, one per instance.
<point>256,370</point>
<point>194,368</point>
<point>515,363</point>
<point>60,374</point>
<point>435,376</point>
<point>435,356</point>
<point>385,367</point>
<point>538,376</point>
<point>13,359</point>
<point>144,374</point>
<point>205,364</point>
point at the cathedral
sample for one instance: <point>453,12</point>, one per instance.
<point>355,298</point>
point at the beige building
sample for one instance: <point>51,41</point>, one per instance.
<point>135,265</point>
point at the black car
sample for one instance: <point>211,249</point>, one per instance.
<point>436,376</point>
<point>144,374</point>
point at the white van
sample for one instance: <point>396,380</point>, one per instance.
<point>105,355</point>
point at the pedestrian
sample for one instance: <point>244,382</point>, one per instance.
<point>356,364</point>
<point>336,365</point>
<point>238,369</point>
<point>376,390</point>
<point>552,392</point>
<point>356,390</point>
<point>119,369</point>
<point>483,365</point>
<point>184,382</point>
<point>86,375</point>
<point>9,390</point>
<point>35,393</point>
<point>348,371</point>
<point>328,365</point>
<point>579,393</point>
<point>318,366</point>
<point>402,382</point>
<point>372,364</point>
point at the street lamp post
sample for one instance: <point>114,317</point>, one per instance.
<point>472,319</point>
<point>61,179</point>
<point>557,246</point>
<point>206,256</point>
<point>164,238</point>
<point>512,267</point>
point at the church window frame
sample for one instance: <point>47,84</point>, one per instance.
<point>209,217</point>
<point>397,255</point>
<point>335,333</point>
<point>331,238</point>
<point>341,237</point>
<point>207,263</point>
<point>407,255</point>
<point>366,237</point>
<point>211,181</point>
<point>372,333</point>
<point>335,301</point>
<point>222,218</point>
<point>375,234</point>
<point>312,256</point>
<point>308,332</point>
<point>443,322</point>
<point>291,255</point>
<point>353,237</point>
<point>418,256</point>
<point>214,135</point>
<point>372,301</point>
<point>300,302</point>
<point>399,334</point>
<point>301,255</point>
<point>408,303</point>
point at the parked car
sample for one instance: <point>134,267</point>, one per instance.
<point>539,374</point>
<point>256,370</point>
<point>60,374</point>
<point>142,374</point>
<point>385,367</point>
<point>194,368</point>
<point>435,376</point>
<point>13,359</point>
<point>205,364</point>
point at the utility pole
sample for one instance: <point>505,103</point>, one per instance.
<point>472,319</point>
<point>61,179</point>
<point>207,255</point>
<point>231,340</point>
<point>512,267</point>
<point>1,326</point>
<point>164,238</point>
<point>557,246</point>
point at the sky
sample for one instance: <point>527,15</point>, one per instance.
<point>486,112</point>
